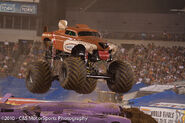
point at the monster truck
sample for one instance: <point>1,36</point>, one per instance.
<point>60,112</point>
<point>71,53</point>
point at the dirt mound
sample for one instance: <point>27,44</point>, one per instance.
<point>137,116</point>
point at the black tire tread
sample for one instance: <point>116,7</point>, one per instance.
<point>76,74</point>
<point>124,77</point>
<point>41,76</point>
<point>88,87</point>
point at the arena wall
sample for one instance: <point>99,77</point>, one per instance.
<point>12,35</point>
<point>31,1</point>
<point>146,42</point>
<point>129,22</point>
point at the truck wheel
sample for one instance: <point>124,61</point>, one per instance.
<point>39,77</point>
<point>88,86</point>
<point>48,53</point>
<point>72,73</point>
<point>122,77</point>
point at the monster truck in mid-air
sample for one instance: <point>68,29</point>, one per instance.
<point>71,53</point>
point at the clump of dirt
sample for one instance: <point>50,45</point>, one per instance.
<point>137,116</point>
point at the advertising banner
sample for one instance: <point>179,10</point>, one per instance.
<point>24,8</point>
<point>164,115</point>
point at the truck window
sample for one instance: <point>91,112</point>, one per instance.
<point>71,33</point>
<point>87,33</point>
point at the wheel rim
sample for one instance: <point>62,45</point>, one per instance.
<point>113,76</point>
<point>30,79</point>
<point>63,74</point>
<point>112,71</point>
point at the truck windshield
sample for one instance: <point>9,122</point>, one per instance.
<point>86,33</point>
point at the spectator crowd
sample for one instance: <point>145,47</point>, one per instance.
<point>14,57</point>
<point>152,64</point>
<point>155,64</point>
<point>7,59</point>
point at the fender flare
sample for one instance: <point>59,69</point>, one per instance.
<point>46,42</point>
<point>78,50</point>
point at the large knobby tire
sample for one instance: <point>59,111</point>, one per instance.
<point>72,74</point>
<point>39,77</point>
<point>88,86</point>
<point>122,77</point>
